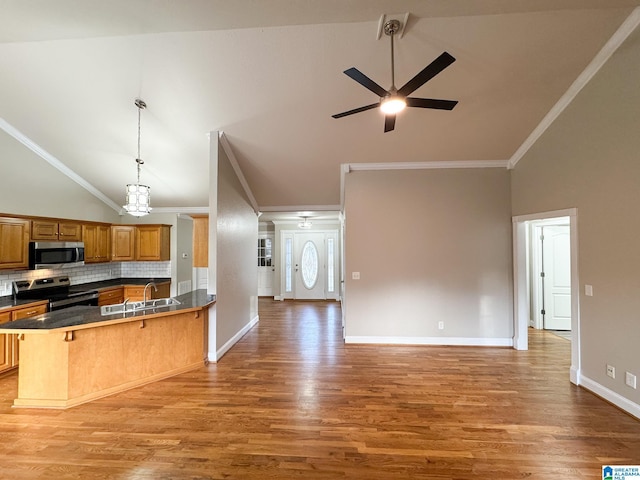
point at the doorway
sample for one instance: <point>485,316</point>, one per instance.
<point>309,268</point>
<point>522,283</point>
<point>550,274</point>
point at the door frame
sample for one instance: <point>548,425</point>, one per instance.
<point>535,257</point>
<point>337,268</point>
<point>521,283</point>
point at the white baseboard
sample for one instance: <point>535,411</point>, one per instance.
<point>448,341</point>
<point>233,340</point>
<point>618,400</point>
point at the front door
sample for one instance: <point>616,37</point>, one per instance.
<point>310,266</point>
<point>556,264</point>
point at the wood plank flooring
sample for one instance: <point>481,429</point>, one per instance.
<point>290,400</point>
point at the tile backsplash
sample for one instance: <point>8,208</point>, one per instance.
<point>89,273</point>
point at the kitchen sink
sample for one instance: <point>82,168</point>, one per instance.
<point>128,307</point>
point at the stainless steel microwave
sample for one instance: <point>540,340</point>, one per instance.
<point>55,254</point>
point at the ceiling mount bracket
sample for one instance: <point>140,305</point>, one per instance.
<point>392,18</point>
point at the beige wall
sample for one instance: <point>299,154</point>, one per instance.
<point>236,235</point>
<point>430,246</point>
<point>31,186</point>
<point>590,159</point>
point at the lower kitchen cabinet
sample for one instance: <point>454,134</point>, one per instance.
<point>111,296</point>
<point>6,362</point>
<point>9,344</point>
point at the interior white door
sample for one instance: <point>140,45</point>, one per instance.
<point>309,266</point>
<point>266,268</point>
<point>556,264</point>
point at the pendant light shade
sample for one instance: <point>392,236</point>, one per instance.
<point>138,196</point>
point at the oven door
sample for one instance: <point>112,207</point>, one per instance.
<point>88,298</point>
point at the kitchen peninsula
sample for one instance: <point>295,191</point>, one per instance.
<point>76,355</point>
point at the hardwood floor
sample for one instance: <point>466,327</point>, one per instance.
<point>290,400</point>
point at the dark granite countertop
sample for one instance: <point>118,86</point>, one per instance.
<point>9,302</point>
<point>86,316</point>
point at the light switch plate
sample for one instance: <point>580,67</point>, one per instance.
<point>355,275</point>
<point>588,290</point>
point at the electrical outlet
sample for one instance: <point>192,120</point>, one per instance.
<point>355,275</point>
<point>611,371</point>
<point>440,325</point>
<point>630,380</point>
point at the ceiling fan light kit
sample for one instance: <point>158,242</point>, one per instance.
<point>394,100</point>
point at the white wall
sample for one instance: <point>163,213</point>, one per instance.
<point>430,246</point>
<point>31,186</point>
<point>589,160</point>
<point>232,255</point>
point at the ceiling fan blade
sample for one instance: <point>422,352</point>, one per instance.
<point>356,110</point>
<point>426,74</point>
<point>431,103</point>
<point>389,123</point>
<point>365,81</point>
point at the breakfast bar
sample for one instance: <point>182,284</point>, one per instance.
<point>76,355</point>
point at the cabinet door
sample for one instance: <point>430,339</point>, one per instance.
<point>123,243</point>
<point>14,243</point>
<point>103,249</point>
<point>201,241</point>
<point>152,242</point>
<point>5,345</point>
<point>44,230</point>
<point>69,232</point>
<point>90,239</point>
<point>111,296</point>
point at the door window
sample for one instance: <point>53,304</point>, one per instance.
<point>309,265</point>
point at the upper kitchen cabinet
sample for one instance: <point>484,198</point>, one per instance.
<point>97,243</point>
<point>56,231</point>
<point>200,240</point>
<point>14,243</point>
<point>153,242</point>
<point>123,242</point>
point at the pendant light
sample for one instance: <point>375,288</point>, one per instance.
<point>138,196</point>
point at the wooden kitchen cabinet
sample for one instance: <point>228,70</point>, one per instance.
<point>56,231</point>
<point>9,344</point>
<point>97,243</point>
<point>123,242</point>
<point>200,241</point>
<point>153,242</point>
<point>14,243</point>
<point>6,361</point>
<point>111,296</point>
<point>135,293</point>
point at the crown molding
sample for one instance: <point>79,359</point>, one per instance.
<point>346,168</point>
<point>57,164</point>
<point>300,208</point>
<point>627,27</point>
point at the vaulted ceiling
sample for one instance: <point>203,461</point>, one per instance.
<point>269,75</point>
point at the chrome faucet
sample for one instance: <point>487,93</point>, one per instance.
<point>144,294</point>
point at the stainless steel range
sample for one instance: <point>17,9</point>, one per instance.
<point>57,290</point>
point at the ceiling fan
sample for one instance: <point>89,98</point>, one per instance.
<point>395,100</point>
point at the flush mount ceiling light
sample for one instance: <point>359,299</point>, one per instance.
<point>138,196</point>
<point>305,223</point>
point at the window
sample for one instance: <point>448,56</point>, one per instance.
<point>309,264</point>
<point>331,284</point>
<point>288,261</point>
<point>264,252</point>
